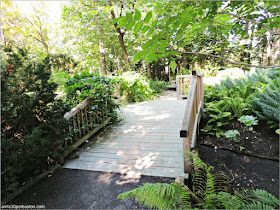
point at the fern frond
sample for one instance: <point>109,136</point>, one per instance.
<point>257,205</point>
<point>159,195</point>
<point>195,160</point>
<point>263,196</point>
<point>228,201</point>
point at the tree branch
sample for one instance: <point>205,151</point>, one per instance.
<point>37,39</point>
<point>251,21</point>
<point>220,57</point>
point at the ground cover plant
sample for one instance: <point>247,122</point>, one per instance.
<point>208,191</point>
<point>31,119</point>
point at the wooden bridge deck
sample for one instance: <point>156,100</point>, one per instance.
<point>146,142</point>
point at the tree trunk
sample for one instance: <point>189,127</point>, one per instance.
<point>149,75</point>
<point>103,70</point>
<point>121,40</point>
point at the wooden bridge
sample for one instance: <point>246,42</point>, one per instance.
<point>149,140</point>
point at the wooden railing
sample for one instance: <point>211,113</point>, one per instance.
<point>85,120</point>
<point>182,85</point>
<point>192,116</point>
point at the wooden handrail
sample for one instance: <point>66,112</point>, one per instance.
<point>77,108</point>
<point>189,109</point>
<point>193,113</point>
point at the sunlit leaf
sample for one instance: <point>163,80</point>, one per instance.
<point>138,27</point>
<point>137,15</point>
<point>148,17</point>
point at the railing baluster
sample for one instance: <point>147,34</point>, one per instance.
<point>74,127</point>
<point>70,134</point>
<point>83,122</point>
<point>79,125</point>
<point>86,116</point>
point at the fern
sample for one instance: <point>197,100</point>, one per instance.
<point>160,195</point>
<point>210,188</point>
<point>266,101</point>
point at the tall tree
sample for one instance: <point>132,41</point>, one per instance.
<point>193,22</point>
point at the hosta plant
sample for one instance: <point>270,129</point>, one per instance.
<point>248,120</point>
<point>232,134</point>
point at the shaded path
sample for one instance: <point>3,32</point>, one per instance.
<point>146,142</point>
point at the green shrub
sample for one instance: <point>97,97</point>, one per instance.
<point>136,86</point>
<point>98,88</point>
<point>31,119</point>
<point>157,86</point>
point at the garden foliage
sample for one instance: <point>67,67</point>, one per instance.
<point>136,87</point>
<point>31,119</point>
<point>257,93</point>
<point>99,88</point>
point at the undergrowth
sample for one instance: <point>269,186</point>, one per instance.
<point>257,93</point>
<point>208,192</point>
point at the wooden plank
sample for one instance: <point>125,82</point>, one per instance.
<point>127,169</point>
<point>144,155</point>
<point>130,148</point>
<point>135,152</point>
<point>131,161</point>
<point>139,143</point>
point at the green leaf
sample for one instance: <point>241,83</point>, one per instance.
<point>154,23</point>
<point>116,20</point>
<point>122,23</point>
<point>138,27</point>
<point>151,31</point>
<point>137,15</point>
<point>145,29</point>
<point>173,66</point>
<point>179,34</point>
<point>138,56</point>
<point>130,25</point>
<point>148,17</point>
<point>129,16</point>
